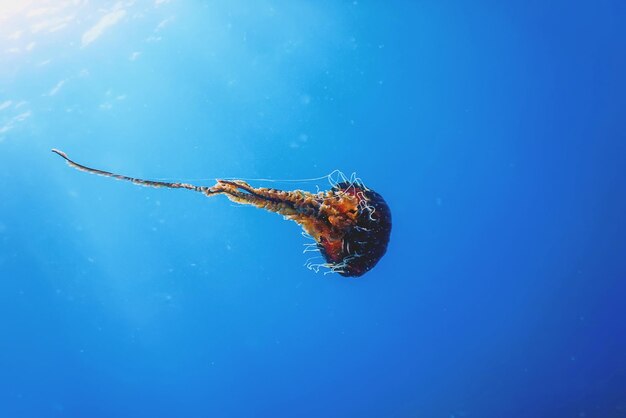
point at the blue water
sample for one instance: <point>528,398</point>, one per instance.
<point>494,130</point>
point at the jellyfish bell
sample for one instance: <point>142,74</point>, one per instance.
<point>355,238</point>
<point>349,224</point>
<point>363,242</point>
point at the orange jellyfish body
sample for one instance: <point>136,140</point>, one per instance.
<point>350,223</point>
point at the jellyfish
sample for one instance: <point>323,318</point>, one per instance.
<point>350,224</point>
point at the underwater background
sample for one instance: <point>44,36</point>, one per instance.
<point>494,130</point>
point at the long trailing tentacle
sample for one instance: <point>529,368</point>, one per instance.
<point>148,183</point>
<point>302,207</point>
<point>239,191</point>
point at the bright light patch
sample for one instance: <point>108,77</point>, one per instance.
<point>25,23</point>
<point>98,29</point>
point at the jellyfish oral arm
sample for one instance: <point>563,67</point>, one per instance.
<point>285,203</point>
<point>298,206</point>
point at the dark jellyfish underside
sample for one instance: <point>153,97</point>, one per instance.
<point>365,242</point>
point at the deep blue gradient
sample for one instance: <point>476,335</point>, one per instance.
<point>495,131</point>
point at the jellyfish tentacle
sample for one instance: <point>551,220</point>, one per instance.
<point>141,182</point>
<point>218,188</point>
